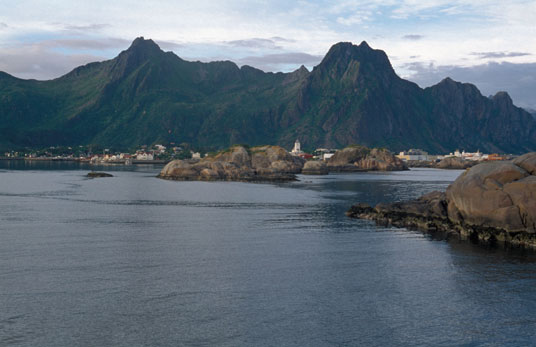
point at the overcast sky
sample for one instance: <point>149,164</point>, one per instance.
<point>491,43</point>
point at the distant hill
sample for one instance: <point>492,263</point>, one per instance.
<point>145,95</point>
<point>531,111</point>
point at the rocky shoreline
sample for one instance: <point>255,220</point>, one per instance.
<point>238,163</point>
<point>450,163</point>
<point>274,163</point>
<point>94,174</point>
<point>491,203</point>
<point>360,158</point>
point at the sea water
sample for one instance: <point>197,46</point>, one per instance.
<point>134,260</point>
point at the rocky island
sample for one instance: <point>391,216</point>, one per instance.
<point>238,163</point>
<point>315,167</point>
<point>94,174</point>
<point>360,158</point>
<point>449,163</point>
<point>490,203</point>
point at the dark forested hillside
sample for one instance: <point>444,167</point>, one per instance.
<point>145,95</point>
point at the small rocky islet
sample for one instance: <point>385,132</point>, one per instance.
<point>274,163</point>
<point>490,203</point>
<point>361,158</point>
<point>238,163</point>
<point>449,163</point>
<point>94,174</point>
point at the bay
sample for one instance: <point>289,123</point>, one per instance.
<point>133,260</point>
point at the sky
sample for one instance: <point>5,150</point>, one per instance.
<point>490,43</point>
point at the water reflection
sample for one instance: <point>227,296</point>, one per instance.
<point>134,260</point>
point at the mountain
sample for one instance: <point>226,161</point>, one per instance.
<point>531,111</point>
<point>145,95</point>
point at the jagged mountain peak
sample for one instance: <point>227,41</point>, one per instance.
<point>140,52</point>
<point>364,45</point>
<point>140,43</point>
<point>447,80</point>
<point>502,96</point>
<point>142,49</point>
<point>303,69</point>
<point>345,55</point>
<point>448,85</point>
<point>146,95</point>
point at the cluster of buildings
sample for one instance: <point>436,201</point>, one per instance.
<point>160,152</point>
<point>156,153</point>
<point>319,153</point>
<point>420,155</point>
<point>409,155</point>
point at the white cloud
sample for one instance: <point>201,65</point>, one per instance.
<point>519,80</point>
<point>40,63</point>
<point>238,29</point>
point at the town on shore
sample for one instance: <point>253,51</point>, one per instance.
<point>160,154</point>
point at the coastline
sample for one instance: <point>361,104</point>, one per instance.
<point>116,162</point>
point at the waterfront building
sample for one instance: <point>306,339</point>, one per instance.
<point>297,148</point>
<point>144,156</point>
<point>414,154</point>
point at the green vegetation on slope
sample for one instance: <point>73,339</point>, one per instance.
<point>146,96</point>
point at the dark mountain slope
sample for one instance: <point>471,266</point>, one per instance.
<point>354,96</point>
<point>145,95</point>
<point>494,124</point>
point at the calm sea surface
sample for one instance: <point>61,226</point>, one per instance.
<point>138,261</point>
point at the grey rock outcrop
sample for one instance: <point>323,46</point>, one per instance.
<point>360,158</point>
<point>491,202</point>
<point>455,163</point>
<point>315,167</point>
<point>265,163</point>
<point>94,174</point>
<point>496,195</point>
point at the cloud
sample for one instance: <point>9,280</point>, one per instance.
<point>282,39</point>
<point>169,45</point>
<point>351,20</point>
<point>497,55</point>
<point>85,44</point>
<point>519,80</point>
<point>87,27</point>
<point>357,17</point>
<point>238,29</point>
<point>3,26</point>
<point>42,64</point>
<point>52,58</point>
<point>281,61</point>
<point>413,37</point>
<point>255,43</point>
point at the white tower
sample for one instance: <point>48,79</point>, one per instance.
<point>297,147</point>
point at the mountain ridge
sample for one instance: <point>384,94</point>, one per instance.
<point>146,95</point>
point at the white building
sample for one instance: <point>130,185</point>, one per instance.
<point>144,156</point>
<point>414,154</point>
<point>297,148</point>
<point>476,156</point>
<point>326,156</point>
<point>160,148</point>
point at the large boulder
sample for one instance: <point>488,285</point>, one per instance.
<point>275,158</point>
<point>315,167</point>
<point>360,158</point>
<point>94,174</point>
<point>494,201</point>
<point>455,163</point>
<point>238,163</point>
<point>498,195</point>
